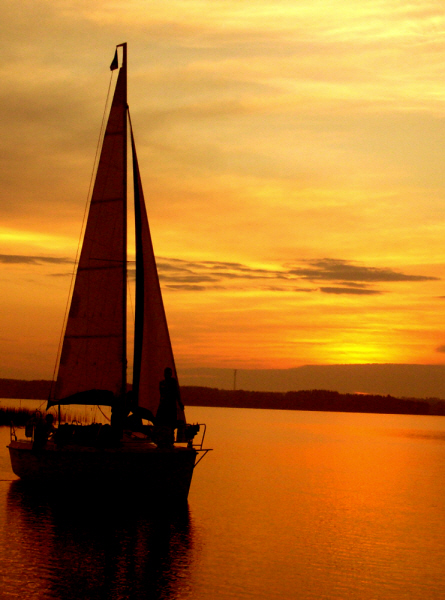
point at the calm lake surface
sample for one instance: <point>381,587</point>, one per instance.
<point>289,505</point>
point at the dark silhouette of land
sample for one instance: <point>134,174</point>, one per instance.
<point>19,388</point>
<point>298,400</point>
<point>398,380</point>
<point>312,400</point>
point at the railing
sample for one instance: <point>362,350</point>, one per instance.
<point>201,442</point>
<point>198,446</point>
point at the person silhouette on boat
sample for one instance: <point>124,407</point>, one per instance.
<point>170,399</point>
<point>43,430</point>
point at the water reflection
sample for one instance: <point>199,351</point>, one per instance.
<point>73,544</point>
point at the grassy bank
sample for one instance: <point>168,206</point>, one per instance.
<point>19,416</point>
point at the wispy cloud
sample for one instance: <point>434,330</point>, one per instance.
<point>350,278</point>
<point>19,259</point>
<point>205,275</point>
<point>188,287</point>
<point>340,270</point>
<point>349,290</point>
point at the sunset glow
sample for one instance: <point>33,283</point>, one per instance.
<point>292,156</point>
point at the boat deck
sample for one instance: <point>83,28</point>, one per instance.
<point>135,446</point>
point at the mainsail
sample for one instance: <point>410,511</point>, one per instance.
<point>94,348</point>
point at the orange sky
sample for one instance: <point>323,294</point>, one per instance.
<point>292,158</point>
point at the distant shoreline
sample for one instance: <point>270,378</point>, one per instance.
<point>323,400</point>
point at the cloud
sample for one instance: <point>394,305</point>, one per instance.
<point>187,278</point>
<point>172,269</point>
<point>441,349</point>
<point>193,288</point>
<point>17,259</point>
<point>183,275</point>
<point>349,290</point>
<point>350,278</point>
<point>339,270</point>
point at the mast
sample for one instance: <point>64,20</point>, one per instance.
<point>124,270</point>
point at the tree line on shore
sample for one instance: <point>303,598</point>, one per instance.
<point>324,400</point>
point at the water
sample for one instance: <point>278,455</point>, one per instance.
<point>289,505</point>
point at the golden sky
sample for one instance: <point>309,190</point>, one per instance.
<point>292,155</point>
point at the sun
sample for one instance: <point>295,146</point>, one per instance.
<point>360,353</point>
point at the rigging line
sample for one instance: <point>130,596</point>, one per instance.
<point>107,418</point>
<point>65,317</point>
<point>132,304</point>
<point>130,296</point>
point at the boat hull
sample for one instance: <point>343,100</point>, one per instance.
<point>157,472</point>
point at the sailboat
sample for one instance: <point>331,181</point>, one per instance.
<point>92,366</point>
